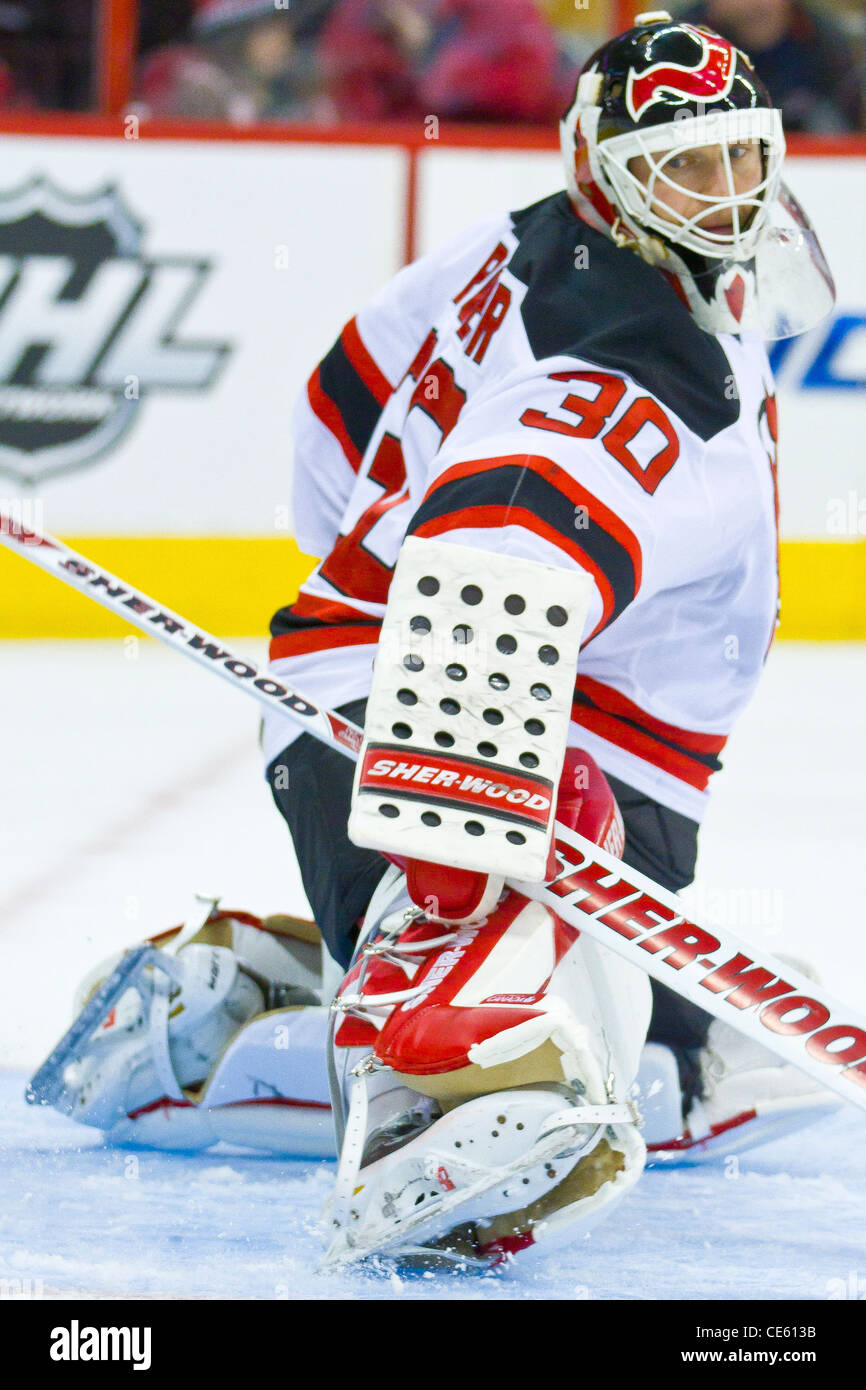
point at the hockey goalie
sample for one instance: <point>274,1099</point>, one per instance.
<point>541,468</point>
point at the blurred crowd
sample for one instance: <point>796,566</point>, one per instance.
<point>326,62</point>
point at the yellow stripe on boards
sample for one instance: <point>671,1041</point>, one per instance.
<point>233,584</point>
<point>823,585</point>
<point>226,584</point>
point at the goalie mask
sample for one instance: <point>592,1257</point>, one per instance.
<point>672,148</point>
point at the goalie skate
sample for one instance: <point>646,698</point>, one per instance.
<point>475,1171</point>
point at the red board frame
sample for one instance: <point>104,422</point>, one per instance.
<point>410,137</point>
<point>116,48</point>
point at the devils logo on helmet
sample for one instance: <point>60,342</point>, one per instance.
<point>711,77</point>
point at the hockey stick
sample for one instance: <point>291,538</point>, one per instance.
<point>614,904</point>
<point>157,621</point>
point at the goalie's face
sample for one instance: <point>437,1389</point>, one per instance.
<point>712,189</point>
<point>705,182</point>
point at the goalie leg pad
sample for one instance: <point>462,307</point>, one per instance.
<point>385,970</point>
<point>269,1090</point>
<point>141,1073</point>
<point>520,999</point>
<point>750,1098</point>
<point>746,1096</point>
<point>518,1010</point>
<point>480,1018</point>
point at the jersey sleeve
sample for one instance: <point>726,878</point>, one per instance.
<point>522,474</point>
<point>338,410</point>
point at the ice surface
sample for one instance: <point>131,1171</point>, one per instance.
<point>131,780</point>
<point>783,1222</point>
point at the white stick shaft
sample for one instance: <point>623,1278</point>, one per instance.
<point>156,620</point>
<point>744,986</point>
<point>612,903</point>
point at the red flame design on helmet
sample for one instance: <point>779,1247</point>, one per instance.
<point>710,78</point>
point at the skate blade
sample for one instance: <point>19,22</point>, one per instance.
<point>440,1210</point>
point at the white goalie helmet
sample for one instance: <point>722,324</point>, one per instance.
<point>660,149</point>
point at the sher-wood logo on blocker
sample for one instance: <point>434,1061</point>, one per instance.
<point>459,782</point>
<point>88,327</point>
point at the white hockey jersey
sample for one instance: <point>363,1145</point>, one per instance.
<point>535,390</point>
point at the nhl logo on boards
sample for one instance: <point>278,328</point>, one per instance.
<point>88,326</point>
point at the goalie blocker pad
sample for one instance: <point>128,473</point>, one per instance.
<point>467,720</point>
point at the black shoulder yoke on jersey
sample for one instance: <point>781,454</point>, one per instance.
<point>617,312</point>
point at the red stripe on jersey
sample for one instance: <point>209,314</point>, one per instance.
<point>614,702</point>
<point>495,517</point>
<point>599,514</point>
<point>369,372</point>
<point>326,411</point>
<point>644,746</point>
<point>327,610</point>
<point>423,355</point>
<point>318,639</point>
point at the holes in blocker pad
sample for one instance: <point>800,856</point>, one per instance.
<point>388,810</point>
<point>506,648</point>
<point>464,634</point>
